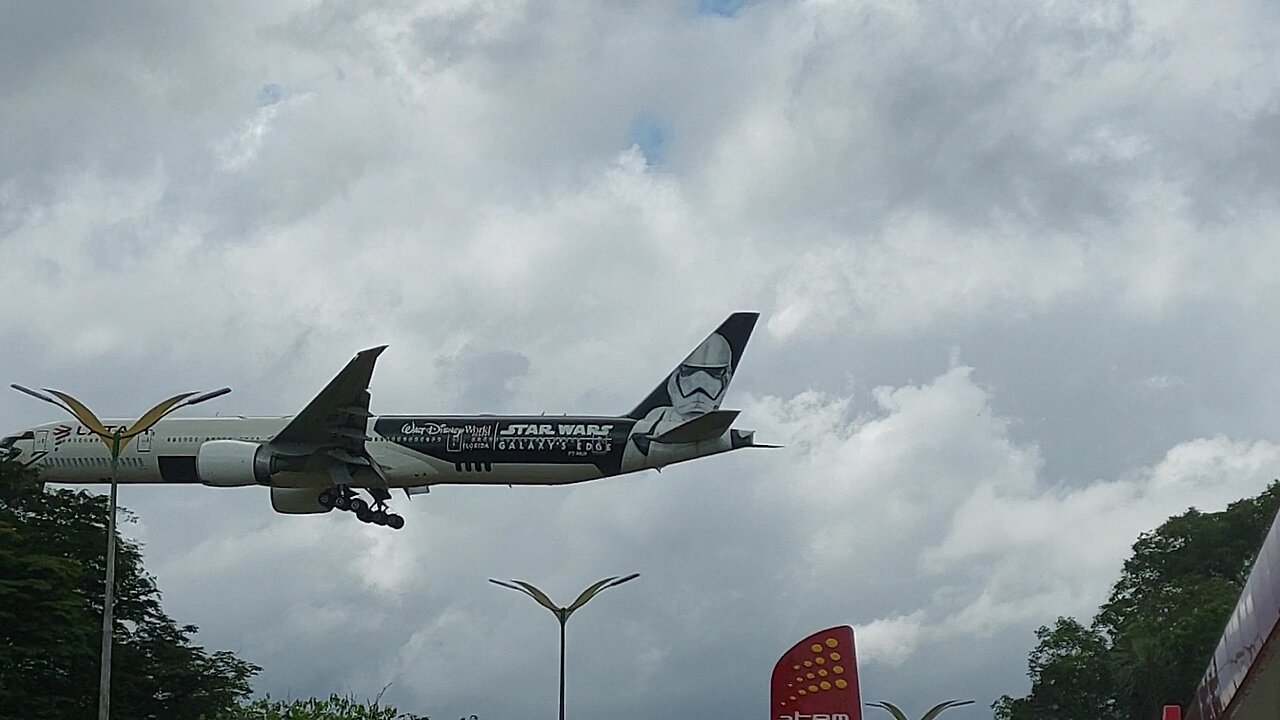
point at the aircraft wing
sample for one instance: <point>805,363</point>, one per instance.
<point>333,426</point>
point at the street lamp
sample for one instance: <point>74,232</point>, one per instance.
<point>934,711</point>
<point>562,613</point>
<point>116,440</point>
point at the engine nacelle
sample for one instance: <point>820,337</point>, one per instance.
<point>297,501</point>
<point>233,463</point>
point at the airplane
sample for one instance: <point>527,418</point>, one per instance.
<point>319,460</point>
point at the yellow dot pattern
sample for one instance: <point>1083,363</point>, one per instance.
<point>811,683</point>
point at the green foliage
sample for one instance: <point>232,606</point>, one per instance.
<point>1069,679</point>
<point>52,571</point>
<point>1150,642</point>
<point>335,707</point>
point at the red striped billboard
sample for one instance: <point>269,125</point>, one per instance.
<point>817,679</point>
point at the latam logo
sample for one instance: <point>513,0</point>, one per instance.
<point>61,432</point>
<point>815,716</point>
<point>82,430</point>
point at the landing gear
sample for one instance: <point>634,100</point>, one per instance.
<point>330,497</point>
<point>343,497</point>
<point>379,514</point>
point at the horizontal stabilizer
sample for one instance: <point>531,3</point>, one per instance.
<point>704,427</point>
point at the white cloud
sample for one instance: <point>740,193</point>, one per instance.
<point>890,640</point>
<point>932,489</point>
<point>1079,196</point>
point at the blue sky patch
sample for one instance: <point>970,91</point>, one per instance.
<point>651,135</point>
<point>270,94</point>
<point>721,8</point>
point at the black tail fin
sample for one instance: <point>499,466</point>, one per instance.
<point>697,385</point>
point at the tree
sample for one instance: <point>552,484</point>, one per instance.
<point>1070,679</point>
<point>52,567</point>
<point>1151,641</point>
<point>335,707</point>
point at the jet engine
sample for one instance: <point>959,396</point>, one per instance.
<point>233,463</point>
<point>297,501</point>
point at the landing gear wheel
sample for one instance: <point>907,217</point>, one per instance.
<point>342,502</point>
<point>379,517</point>
<point>364,516</point>
<point>358,505</point>
<point>395,522</point>
<point>325,498</point>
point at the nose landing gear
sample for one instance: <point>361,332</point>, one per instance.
<point>343,497</point>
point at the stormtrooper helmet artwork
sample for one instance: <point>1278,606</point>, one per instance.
<point>698,384</point>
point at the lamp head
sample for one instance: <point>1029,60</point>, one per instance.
<point>35,394</point>
<point>208,396</point>
<point>628,578</point>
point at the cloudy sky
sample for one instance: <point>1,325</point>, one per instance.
<point>1015,263</point>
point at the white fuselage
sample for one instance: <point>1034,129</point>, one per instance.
<point>67,452</point>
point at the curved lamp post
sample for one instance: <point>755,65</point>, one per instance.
<point>562,613</point>
<point>116,441</point>
<point>934,711</point>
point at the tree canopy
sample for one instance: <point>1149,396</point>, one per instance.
<point>1149,644</point>
<point>52,572</point>
<point>334,707</point>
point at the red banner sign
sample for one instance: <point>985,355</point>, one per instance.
<point>817,679</point>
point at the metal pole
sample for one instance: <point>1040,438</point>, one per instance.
<point>108,603</point>
<point>116,440</point>
<point>564,619</point>
<point>562,613</point>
